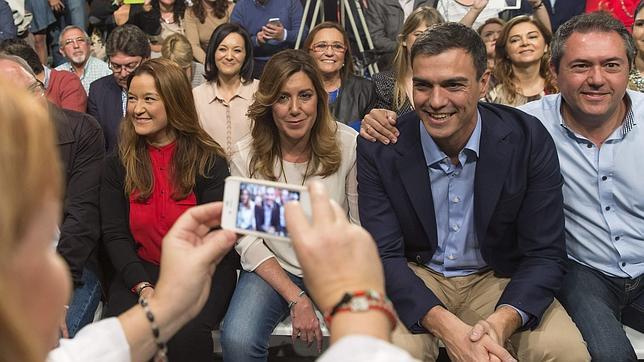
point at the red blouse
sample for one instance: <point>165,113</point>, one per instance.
<point>151,219</point>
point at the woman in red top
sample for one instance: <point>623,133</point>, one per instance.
<point>164,165</point>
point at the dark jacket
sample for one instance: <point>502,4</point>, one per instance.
<point>80,142</point>
<point>355,100</point>
<point>384,83</point>
<point>115,219</point>
<point>518,211</point>
<point>562,12</point>
<point>105,104</point>
<point>385,19</point>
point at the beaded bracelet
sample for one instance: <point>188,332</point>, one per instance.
<point>363,301</point>
<point>162,348</point>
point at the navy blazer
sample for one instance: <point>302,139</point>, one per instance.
<point>518,211</point>
<point>105,104</point>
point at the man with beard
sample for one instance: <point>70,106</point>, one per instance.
<point>75,47</point>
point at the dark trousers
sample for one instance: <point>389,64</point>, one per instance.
<point>194,341</point>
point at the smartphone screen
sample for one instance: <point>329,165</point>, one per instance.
<point>261,208</point>
<point>258,207</point>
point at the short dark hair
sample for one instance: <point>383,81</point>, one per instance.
<point>20,48</point>
<point>129,40</point>
<point>442,37</point>
<point>220,33</point>
<point>598,21</point>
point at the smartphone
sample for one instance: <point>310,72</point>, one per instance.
<point>275,21</point>
<point>256,207</point>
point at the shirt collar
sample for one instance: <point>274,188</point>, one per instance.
<point>433,154</point>
<point>622,130</point>
<point>245,91</point>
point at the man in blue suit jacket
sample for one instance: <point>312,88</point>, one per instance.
<point>467,212</point>
<point>127,47</point>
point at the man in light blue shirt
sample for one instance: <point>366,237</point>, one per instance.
<point>595,124</point>
<point>75,47</point>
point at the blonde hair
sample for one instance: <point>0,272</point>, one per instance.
<point>31,174</point>
<point>195,151</point>
<point>423,15</point>
<point>326,155</point>
<point>177,48</point>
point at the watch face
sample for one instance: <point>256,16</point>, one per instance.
<point>359,304</point>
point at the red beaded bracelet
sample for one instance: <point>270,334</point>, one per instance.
<point>363,301</point>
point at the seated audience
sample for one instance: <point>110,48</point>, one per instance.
<point>595,125</point>
<point>223,100</point>
<point>453,207</point>
<point>350,96</point>
<point>385,19</point>
<point>269,37</point>
<point>61,88</point>
<point>177,48</point>
<point>32,200</point>
<point>127,47</point>
<point>393,88</point>
<point>522,67</point>
<point>489,32</point>
<point>294,139</point>
<point>81,149</point>
<point>636,80</point>
<point>157,18</point>
<point>201,20</point>
<point>164,165</point>
<point>75,47</point>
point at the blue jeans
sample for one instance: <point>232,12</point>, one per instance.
<point>254,311</point>
<point>74,14</point>
<point>84,303</point>
<point>599,305</point>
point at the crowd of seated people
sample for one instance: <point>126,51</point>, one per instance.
<point>492,159</point>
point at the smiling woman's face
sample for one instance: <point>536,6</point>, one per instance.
<point>525,44</point>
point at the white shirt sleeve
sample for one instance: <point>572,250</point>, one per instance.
<point>102,341</point>
<point>357,348</point>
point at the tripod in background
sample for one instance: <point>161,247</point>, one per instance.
<point>359,29</point>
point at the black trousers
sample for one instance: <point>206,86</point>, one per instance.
<point>194,341</point>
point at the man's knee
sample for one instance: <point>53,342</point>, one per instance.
<point>423,347</point>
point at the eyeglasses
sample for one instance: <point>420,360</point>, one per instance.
<point>37,88</point>
<point>321,47</point>
<point>80,41</point>
<point>117,68</point>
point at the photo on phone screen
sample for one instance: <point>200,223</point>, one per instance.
<point>261,208</point>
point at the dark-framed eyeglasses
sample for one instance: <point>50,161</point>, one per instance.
<point>117,68</point>
<point>321,47</point>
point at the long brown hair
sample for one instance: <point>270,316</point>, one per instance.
<point>347,69</point>
<point>422,15</point>
<point>218,7</point>
<point>325,151</point>
<point>31,175</point>
<point>195,151</point>
<point>503,73</point>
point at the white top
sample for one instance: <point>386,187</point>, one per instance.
<point>341,186</point>
<point>453,11</point>
<point>102,341</point>
<point>364,348</point>
<point>105,341</point>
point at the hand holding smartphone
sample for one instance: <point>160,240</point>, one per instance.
<point>256,207</point>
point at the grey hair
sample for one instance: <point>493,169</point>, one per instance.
<point>21,62</point>
<point>71,27</point>
<point>598,21</point>
<point>442,37</point>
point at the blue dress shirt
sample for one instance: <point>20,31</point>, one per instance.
<point>603,189</point>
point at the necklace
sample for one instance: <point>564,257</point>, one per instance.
<point>306,171</point>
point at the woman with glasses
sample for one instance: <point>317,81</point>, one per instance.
<point>165,164</point>
<point>394,88</point>
<point>522,67</point>
<point>350,96</point>
<point>294,139</point>
<point>223,100</point>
